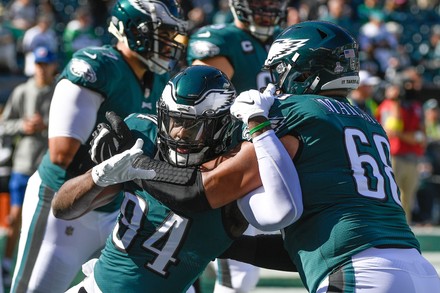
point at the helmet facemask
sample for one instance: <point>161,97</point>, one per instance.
<point>261,16</point>
<point>151,30</point>
<point>191,140</point>
<point>165,51</point>
<point>193,116</point>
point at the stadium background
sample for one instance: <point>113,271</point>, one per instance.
<point>416,19</point>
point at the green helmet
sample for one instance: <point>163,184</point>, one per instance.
<point>314,56</point>
<point>150,28</point>
<point>193,116</point>
<point>261,16</point>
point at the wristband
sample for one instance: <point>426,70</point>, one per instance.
<point>259,127</point>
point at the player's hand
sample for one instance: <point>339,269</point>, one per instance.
<point>109,140</point>
<point>119,168</point>
<point>252,103</point>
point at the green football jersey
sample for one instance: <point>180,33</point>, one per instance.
<point>351,200</point>
<point>153,249</point>
<point>103,70</point>
<point>245,53</point>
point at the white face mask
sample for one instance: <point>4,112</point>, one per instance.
<point>156,64</point>
<point>194,159</point>
<point>261,32</point>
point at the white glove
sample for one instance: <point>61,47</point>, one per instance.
<point>118,168</point>
<point>252,103</point>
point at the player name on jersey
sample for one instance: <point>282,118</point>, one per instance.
<point>337,107</point>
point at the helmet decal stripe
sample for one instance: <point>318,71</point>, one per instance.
<point>138,5</point>
<point>158,9</point>
<point>295,57</point>
<point>283,47</point>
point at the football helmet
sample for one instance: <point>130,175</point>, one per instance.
<point>193,116</point>
<point>150,28</point>
<point>261,16</point>
<point>313,56</point>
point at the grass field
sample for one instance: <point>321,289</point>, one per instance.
<point>280,282</point>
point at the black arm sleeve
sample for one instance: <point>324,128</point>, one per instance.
<point>181,189</point>
<point>265,251</point>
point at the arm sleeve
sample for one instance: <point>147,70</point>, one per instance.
<point>74,110</point>
<point>181,189</point>
<point>278,202</point>
<point>264,251</point>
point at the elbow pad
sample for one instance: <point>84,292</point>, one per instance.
<point>181,189</point>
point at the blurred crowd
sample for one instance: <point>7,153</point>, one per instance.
<point>393,34</point>
<point>399,45</point>
<point>400,66</point>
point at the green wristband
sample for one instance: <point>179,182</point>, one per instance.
<point>259,127</point>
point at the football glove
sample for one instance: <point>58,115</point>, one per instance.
<point>119,168</point>
<point>109,140</point>
<point>252,103</point>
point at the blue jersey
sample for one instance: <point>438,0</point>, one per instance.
<point>351,200</point>
<point>153,249</point>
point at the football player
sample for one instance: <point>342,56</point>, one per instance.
<point>239,49</point>
<point>153,248</point>
<point>126,78</point>
<point>352,233</point>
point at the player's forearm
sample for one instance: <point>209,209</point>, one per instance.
<point>78,196</point>
<point>230,180</point>
<point>233,178</point>
<point>62,150</point>
<point>189,189</point>
<point>278,203</point>
<point>240,174</point>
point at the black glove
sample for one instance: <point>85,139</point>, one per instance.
<point>109,140</point>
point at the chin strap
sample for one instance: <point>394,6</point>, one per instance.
<point>157,65</point>
<point>118,33</point>
<point>261,32</point>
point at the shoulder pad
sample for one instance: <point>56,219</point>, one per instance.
<point>210,41</point>
<point>144,126</point>
<point>91,67</point>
